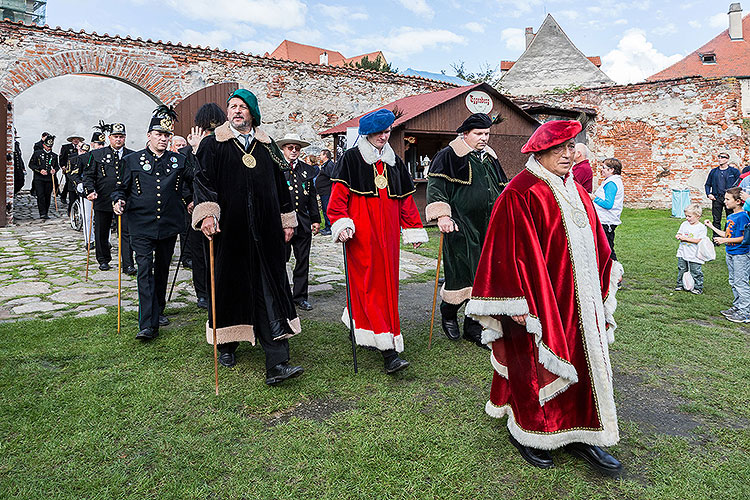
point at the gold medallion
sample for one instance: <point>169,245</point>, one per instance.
<point>248,160</point>
<point>380,181</point>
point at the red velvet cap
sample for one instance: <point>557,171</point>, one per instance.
<point>551,134</point>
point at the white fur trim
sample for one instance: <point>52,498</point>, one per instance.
<point>381,341</point>
<point>370,153</point>
<point>414,235</point>
<point>437,209</point>
<point>203,210</point>
<point>552,389</point>
<point>478,308</point>
<point>340,225</point>
<point>551,441</point>
<point>461,148</point>
<point>289,220</point>
<point>610,304</point>
<point>455,297</point>
<point>500,368</point>
<point>234,333</point>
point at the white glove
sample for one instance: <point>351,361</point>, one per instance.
<point>79,187</point>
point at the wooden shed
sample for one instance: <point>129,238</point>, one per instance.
<point>426,123</point>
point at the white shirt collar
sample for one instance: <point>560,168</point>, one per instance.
<point>239,134</point>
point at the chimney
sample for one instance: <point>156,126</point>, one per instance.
<point>735,21</point>
<point>324,58</point>
<point>530,36</point>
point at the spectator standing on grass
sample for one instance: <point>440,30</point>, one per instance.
<point>690,234</point>
<point>608,199</point>
<point>737,255</point>
<point>718,181</point>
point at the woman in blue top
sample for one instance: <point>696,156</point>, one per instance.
<point>608,199</point>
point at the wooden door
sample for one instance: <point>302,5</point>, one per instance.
<point>187,108</point>
<point>4,163</point>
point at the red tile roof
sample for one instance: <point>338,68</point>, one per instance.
<point>411,106</point>
<point>293,51</point>
<point>732,58</point>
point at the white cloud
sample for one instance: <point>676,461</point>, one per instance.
<point>665,29</point>
<point>418,7</point>
<point>620,22</point>
<point>694,24</point>
<point>270,13</point>
<point>518,8</point>
<point>305,35</point>
<point>514,39</point>
<point>635,58</point>
<point>340,17</point>
<point>257,47</point>
<point>406,41</point>
<point>474,27</point>
<point>720,20</point>
<point>569,14</point>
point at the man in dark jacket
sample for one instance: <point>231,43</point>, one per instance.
<point>719,180</point>
<point>45,164</point>
<point>300,178</point>
<point>151,190</point>
<point>99,182</point>
<point>323,186</point>
<point>19,168</point>
<point>71,148</point>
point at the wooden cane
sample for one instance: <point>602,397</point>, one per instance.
<point>119,270</point>
<point>213,311</point>
<point>88,245</point>
<point>54,192</point>
<point>434,295</point>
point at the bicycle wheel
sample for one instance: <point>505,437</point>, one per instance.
<point>76,216</point>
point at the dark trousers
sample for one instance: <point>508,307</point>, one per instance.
<point>103,220</point>
<point>609,230</point>
<point>277,351</point>
<point>324,205</point>
<point>43,190</point>
<point>717,211</point>
<point>300,243</point>
<point>198,245</point>
<point>153,257</point>
<point>185,249</point>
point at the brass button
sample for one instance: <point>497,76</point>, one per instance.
<point>158,216</point>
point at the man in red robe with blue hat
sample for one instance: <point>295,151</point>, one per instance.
<point>371,206</point>
<point>544,292</point>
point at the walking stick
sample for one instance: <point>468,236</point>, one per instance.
<point>174,280</point>
<point>54,192</point>
<point>213,312</point>
<point>119,270</point>
<point>88,245</point>
<point>349,308</point>
<point>434,295</point>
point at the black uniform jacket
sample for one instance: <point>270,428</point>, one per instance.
<point>100,176</point>
<point>155,193</point>
<point>303,194</point>
<point>323,181</point>
<point>66,151</point>
<point>42,160</point>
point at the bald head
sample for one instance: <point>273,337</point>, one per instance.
<point>582,153</point>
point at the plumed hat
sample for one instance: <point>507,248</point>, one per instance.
<point>209,116</point>
<point>117,128</point>
<point>477,120</point>
<point>250,100</point>
<point>375,122</point>
<point>163,119</point>
<point>49,140</point>
<point>551,134</point>
<point>100,136</point>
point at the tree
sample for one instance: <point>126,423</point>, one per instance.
<point>486,73</point>
<point>377,65</point>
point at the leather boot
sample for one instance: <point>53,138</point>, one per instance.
<point>473,332</point>
<point>449,320</point>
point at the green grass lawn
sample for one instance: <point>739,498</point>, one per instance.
<point>87,413</point>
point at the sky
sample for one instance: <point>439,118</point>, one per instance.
<point>635,38</point>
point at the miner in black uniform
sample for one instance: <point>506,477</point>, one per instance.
<point>301,181</point>
<point>99,180</point>
<point>71,148</point>
<point>152,191</point>
<point>44,163</point>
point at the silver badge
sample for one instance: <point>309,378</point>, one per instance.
<point>147,167</point>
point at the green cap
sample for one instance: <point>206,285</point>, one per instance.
<point>250,100</point>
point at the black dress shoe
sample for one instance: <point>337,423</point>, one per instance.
<point>473,332</point>
<point>104,267</point>
<point>395,364</point>
<point>537,458</point>
<point>147,334</point>
<point>596,457</point>
<point>449,320</point>
<point>304,305</point>
<point>227,359</point>
<point>202,303</point>
<point>163,320</point>
<point>131,271</point>
<point>281,372</point>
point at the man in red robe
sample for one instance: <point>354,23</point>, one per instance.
<point>371,201</point>
<point>545,294</point>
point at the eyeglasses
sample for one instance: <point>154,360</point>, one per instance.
<point>725,157</point>
<point>293,147</point>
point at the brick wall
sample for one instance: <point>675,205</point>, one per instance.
<point>666,133</point>
<point>294,97</point>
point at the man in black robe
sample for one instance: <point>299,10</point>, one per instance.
<point>242,203</point>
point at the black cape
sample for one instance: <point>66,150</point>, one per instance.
<point>359,176</point>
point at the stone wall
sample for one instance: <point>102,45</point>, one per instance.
<point>294,97</point>
<point>667,134</point>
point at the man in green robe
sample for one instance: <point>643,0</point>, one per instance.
<point>463,183</point>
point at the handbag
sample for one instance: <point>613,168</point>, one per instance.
<point>706,250</point>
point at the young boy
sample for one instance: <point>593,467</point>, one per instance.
<point>738,256</point>
<point>690,234</point>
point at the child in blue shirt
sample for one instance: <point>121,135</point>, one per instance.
<point>737,255</point>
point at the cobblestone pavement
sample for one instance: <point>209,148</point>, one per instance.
<point>43,263</point>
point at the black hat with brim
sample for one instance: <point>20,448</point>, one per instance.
<point>117,128</point>
<point>49,141</point>
<point>477,120</point>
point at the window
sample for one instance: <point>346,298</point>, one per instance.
<point>708,58</point>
